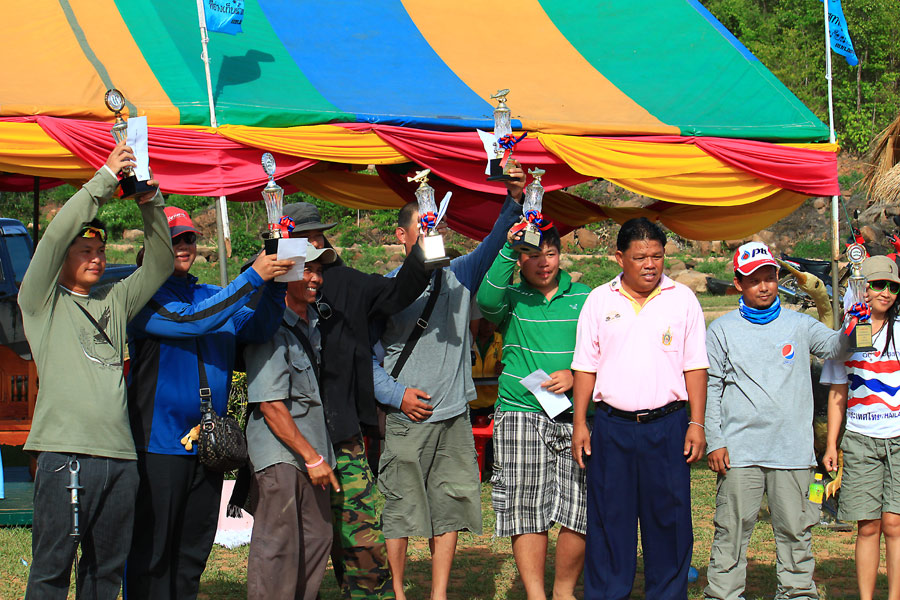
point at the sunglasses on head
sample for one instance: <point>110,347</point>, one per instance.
<point>892,287</point>
<point>188,238</point>
<point>92,232</point>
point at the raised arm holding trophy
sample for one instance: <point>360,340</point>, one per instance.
<point>273,195</point>
<point>504,140</point>
<point>860,333</point>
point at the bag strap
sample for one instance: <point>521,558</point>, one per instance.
<point>421,324</point>
<point>205,392</point>
<point>307,346</point>
<point>95,323</point>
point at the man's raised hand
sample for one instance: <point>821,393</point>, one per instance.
<point>516,186</point>
<point>269,267</point>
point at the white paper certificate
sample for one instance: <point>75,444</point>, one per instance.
<point>292,249</point>
<point>137,139</point>
<point>551,402</point>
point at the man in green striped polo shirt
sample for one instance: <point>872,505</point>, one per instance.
<point>536,481</point>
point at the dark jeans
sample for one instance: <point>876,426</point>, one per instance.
<point>176,514</point>
<point>106,513</point>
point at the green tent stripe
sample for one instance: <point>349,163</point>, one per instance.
<point>170,43</point>
<point>642,61</point>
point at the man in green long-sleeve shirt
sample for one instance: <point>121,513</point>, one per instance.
<point>536,481</point>
<point>76,330</point>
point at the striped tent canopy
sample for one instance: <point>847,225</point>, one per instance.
<point>652,95</point>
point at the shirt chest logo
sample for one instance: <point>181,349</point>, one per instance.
<point>787,351</point>
<point>667,337</point>
<point>612,316</point>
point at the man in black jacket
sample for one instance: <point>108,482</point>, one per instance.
<point>348,300</point>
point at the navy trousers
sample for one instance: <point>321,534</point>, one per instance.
<point>637,473</point>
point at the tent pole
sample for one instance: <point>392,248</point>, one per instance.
<point>835,218</point>
<point>36,213</point>
<point>221,206</point>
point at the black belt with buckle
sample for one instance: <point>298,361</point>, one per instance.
<point>643,416</point>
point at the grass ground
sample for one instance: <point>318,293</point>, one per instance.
<point>485,568</point>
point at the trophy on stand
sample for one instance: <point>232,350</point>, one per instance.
<point>273,196</point>
<point>531,210</point>
<point>504,140</point>
<point>860,333</point>
<point>130,184</point>
<point>433,242</point>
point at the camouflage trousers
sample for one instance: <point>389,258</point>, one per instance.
<point>358,554</point>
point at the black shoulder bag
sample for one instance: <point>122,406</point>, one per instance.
<point>222,446</point>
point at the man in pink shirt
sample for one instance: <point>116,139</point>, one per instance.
<point>640,355</point>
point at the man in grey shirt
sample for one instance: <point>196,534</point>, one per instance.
<point>291,454</point>
<point>759,413</point>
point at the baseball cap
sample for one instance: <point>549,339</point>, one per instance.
<point>306,217</point>
<point>751,256</point>
<point>179,221</point>
<point>880,268</point>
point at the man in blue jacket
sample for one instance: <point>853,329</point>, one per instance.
<point>184,324</point>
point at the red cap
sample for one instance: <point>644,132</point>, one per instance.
<point>179,221</point>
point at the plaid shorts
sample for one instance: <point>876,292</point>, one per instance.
<point>536,481</point>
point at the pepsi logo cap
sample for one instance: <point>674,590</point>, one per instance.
<point>179,221</point>
<point>751,256</point>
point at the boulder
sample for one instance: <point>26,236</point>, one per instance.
<point>675,265</point>
<point>576,276</point>
<point>734,244</point>
<point>200,260</point>
<point>820,205</point>
<point>671,247</point>
<point>715,246</point>
<point>565,263</point>
<point>131,235</point>
<point>871,233</point>
<point>693,279</point>
<point>702,247</point>
<point>587,239</point>
<point>569,242</point>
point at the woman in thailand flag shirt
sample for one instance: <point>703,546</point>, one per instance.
<point>867,386</point>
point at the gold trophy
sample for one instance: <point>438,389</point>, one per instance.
<point>531,211</point>
<point>433,242</point>
<point>860,333</point>
<point>130,184</point>
<point>273,196</point>
<point>502,129</point>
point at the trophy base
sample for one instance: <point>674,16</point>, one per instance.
<point>433,248</point>
<point>132,186</point>
<point>497,173</point>
<point>437,263</point>
<point>271,245</point>
<point>861,338</point>
<point>530,242</point>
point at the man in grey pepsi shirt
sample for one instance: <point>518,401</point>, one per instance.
<point>759,413</point>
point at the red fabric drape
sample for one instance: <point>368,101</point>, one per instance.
<point>184,161</point>
<point>13,182</point>
<point>459,157</point>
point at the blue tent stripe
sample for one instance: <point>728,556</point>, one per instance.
<point>388,72</point>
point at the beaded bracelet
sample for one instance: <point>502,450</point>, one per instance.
<point>315,464</point>
<point>700,425</point>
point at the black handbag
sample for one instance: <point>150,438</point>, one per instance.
<point>221,445</point>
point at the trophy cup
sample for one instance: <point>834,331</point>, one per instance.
<point>433,242</point>
<point>130,184</point>
<point>502,130</point>
<point>531,209</point>
<point>273,195</point>
<point>860,333</point>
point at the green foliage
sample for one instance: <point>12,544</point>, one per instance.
<point>120,214</point>
<point>595,271</point>
<point>820,249</point>
<point>244,244</point>
<point>788,37</point>
<point>720,269</point>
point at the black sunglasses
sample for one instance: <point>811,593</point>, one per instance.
<point>188,238</point>
<point>880,285</point>
<point>323,309</point>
